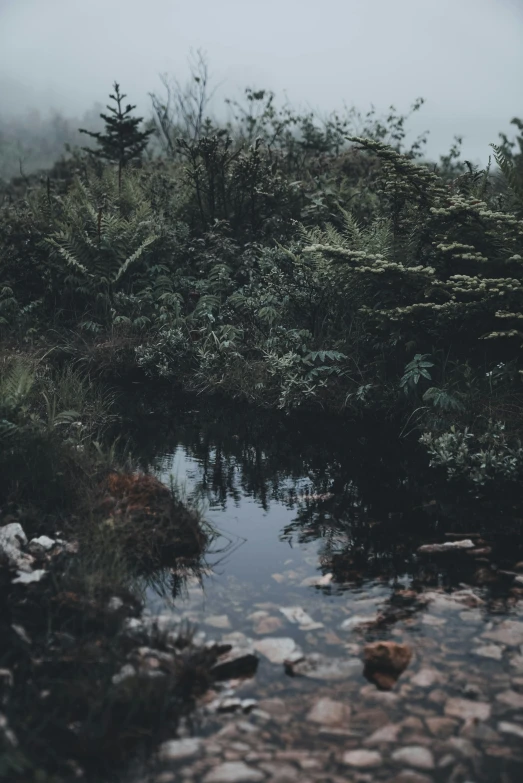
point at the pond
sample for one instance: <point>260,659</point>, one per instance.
<point>315,556</point>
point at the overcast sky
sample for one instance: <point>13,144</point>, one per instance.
<point>465,57</point>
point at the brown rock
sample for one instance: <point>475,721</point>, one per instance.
<point>329,712</point>
<point>441,727</point>
<point>384,662</point>
<point>268,625</point>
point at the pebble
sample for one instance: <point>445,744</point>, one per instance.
<point>414,756</point>
<point>362,759</point>
<point>179,749</point>
<point>234,772</point>
<point>514,729</point>
<point>276,649</point>
<point>467,709</point>
<point>489,651</point>
<point>329,712</point>
<point>511,699</point>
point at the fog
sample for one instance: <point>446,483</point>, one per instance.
<point>465,57</point>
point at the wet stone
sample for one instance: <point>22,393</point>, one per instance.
<point>489,651</point>
<point>329,712</point>
<point>389,733</point>
<point>513,729</point>
<point>414,756</point>
<point>179,749</point>
<point>276,649</point>
<point>441,727</point>
<point>467,709</point>
<point>321,667</point>
<point>362,759</point>
<point>509,632</point>
<point>234,772</point>
<point>511,699</point>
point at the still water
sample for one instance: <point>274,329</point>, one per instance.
<point>317,528</point>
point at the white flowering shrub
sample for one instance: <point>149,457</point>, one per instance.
<point>479,459</point>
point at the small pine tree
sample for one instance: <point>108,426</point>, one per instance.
<point>122,141</point>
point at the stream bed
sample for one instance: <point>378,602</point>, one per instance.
<point>315,556</point>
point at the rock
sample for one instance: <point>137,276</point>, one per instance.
<point>388,733</point>
<point>218,621</point>
<point>514,729</point>
<point>266,625</point>
<point>236,662</point>
<point>409,776</point>
<point>384,662</point>
<point>511,699</point>
<point>321,667</point>
<point>426,678</point>
<point>467,709</point>
<point>278,578</point>
<point>362,759</point>
<point>489,651</point>
<point>26,578</point>
<point>414,756</point>
<point>295,614</point>
<point>234,772</point>
<point>329,712</point>
<point>509,632</point>
<point>428,619</point>
<point>114,604</point>
<point>441,727</point>
<point>125,673</point>
<point>38,546</point>
<point>12,539</point>
<point>448,546</point>
<point>276,649</point>
<point>179,749</point>
<point>358,621</point>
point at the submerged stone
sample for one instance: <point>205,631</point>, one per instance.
<point>468,709</point>
<point>321,667</point>
<point>276,649</point>
<point>328,712</point>
<point>362,759</point>
<point>234,772</point>
<point>179,749</point>
<point>414,756</point>
<point>384,663</point>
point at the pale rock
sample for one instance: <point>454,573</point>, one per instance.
<point>358,621</point>
<point>414,756</point>
<point>362,759</point>
<point>267,625</point>
<point>27,578</point>
<point>489,651</point>
<point>389,733</point>
<point>509,632</point>
<point>278,578</point>
<point>295,614</point>
<point>42,544</point>
<point>429,619</point>
<point>329,712</point>
<point>12,538</point>
<point>179,749</point>
<point>466,709</point>
<point>511,699</point>
<point>441,727</point>
<point>514,729</point>
<point>448,546</point>
<point>276,649</point>
<point>114,604</point>
<point>426,678</point>
<point>321,667</point>
<point>125,673</point>
<point>234,772</point>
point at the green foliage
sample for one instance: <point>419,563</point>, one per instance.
<point>122,141</point>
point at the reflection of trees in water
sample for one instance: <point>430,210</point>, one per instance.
<point>374,482</point>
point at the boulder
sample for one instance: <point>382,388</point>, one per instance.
<point>384,662</point>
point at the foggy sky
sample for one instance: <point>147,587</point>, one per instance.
<point>465,57</point>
